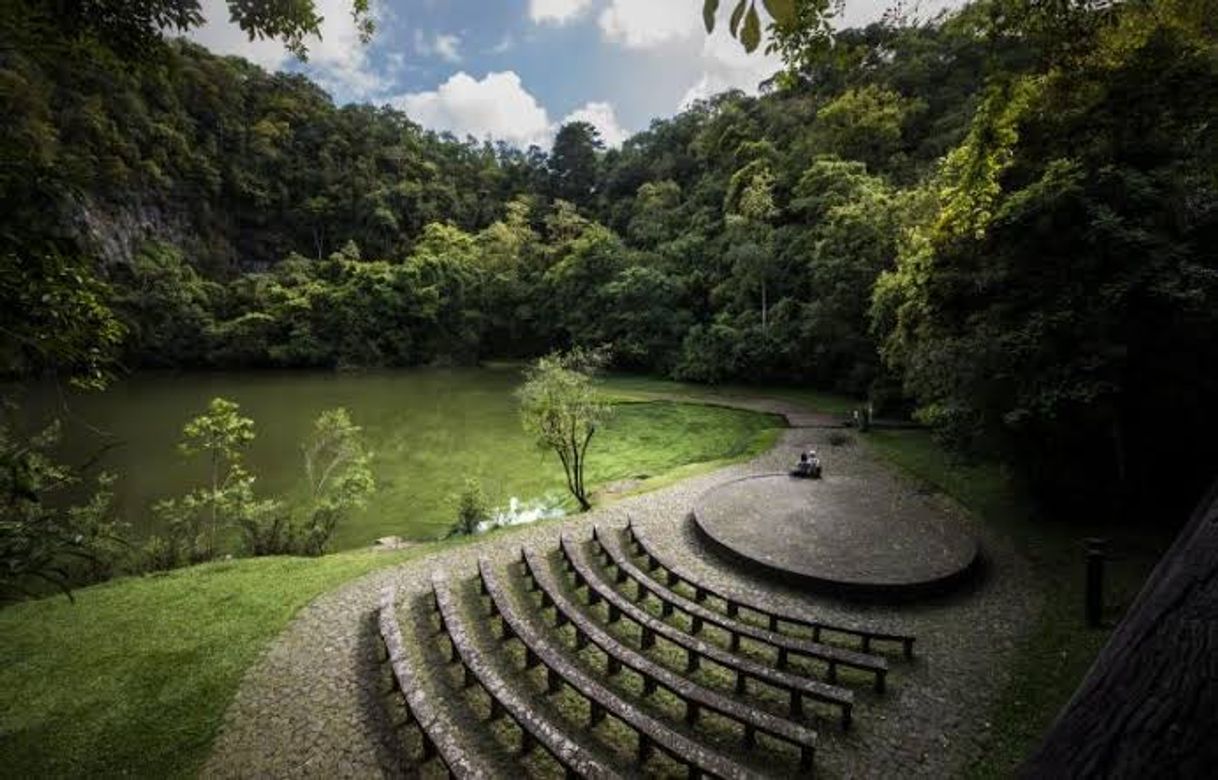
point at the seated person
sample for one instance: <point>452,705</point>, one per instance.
<point>813,465</point>
<point>808,466</point>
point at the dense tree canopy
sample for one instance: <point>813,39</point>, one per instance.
<point>1000,217</point>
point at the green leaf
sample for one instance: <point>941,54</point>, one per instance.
<point>781,11</point>
<point>709,9</point>
<point>736,16</point>
<point>750,35</point>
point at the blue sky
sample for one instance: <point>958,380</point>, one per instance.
<point>517,69</point>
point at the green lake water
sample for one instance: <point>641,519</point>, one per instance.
<point>429,430</point>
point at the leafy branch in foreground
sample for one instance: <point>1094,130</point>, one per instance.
<point>745,22</point>
<point>41,540</point>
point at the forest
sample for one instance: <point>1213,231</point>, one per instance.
<point>1000,221</point>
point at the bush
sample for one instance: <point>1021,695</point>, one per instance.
<point>313,537</point>
<point>158,554</point>
<point>472,508</point>
<point>268,529</point>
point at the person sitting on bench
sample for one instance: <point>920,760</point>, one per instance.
<point>808,466</point>
<point>813,465</point>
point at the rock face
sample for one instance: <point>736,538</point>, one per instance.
<point>117,231</point>
<point>1149,705</point>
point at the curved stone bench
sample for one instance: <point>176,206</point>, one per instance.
<point>775,615</point>
<point>784,644</point>
<point>697,648</point>
<point>695,696</point>
<point>440,737</point>
<point>534,729</point>
<point>652,733</point>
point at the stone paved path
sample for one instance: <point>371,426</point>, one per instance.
<point>309,707</point>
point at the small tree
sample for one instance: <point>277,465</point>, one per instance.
<point>337,467</point>
<point>561,407</point>
<point>220,435</point>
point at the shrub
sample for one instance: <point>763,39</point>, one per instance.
<point>158,553</point>
<point>838,439</point>
<point>472,507</point>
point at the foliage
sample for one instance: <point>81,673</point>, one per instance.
<point>1051,307</point>
<point>227,499</point>
<point>561,407</point>
<point>137,27</point>
<point>337,467</point>
<point>43,539</point>
<point>745,22</point>
<point>739,240</point>
<point>472,507</point>
<point>573,162</point>
<point>54,316</point>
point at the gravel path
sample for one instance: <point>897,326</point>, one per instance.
<point>310,706</point>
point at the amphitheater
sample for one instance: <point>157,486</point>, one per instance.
<point>631,642</point>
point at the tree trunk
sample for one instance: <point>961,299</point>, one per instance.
<point>765,308</point>
<point>1149,705</point>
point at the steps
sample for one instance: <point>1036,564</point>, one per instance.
<point>610,679</point>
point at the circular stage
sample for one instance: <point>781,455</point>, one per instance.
<point>836,535</point>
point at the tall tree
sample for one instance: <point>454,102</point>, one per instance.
<point>573,163</point>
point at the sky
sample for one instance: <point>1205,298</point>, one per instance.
<point>516,70</point>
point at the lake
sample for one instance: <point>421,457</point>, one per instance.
<point>429,430</point>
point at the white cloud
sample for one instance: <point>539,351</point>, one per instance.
<point>601,116</point>
<point>556,11</point>
<point>646,24</point>
<point>224,37</point>
<point>447,46</point>
<point>725,65</point>
<point>673,31</point>
<point>497,106</point>
<point>338,61</point>
<point>443,45</point>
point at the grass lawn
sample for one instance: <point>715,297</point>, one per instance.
<point>1056,656</point>
<point>134,677</point>
<point>633,386</point>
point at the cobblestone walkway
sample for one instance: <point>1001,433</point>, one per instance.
<point>310,707</point>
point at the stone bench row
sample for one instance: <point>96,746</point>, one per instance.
<point>534,728</point>
<point>440,737</point>
<point>560,669</point>
<point>694,696</point>
<point>776,616</point>
<point>696,648</point>
<point>785,645</point>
